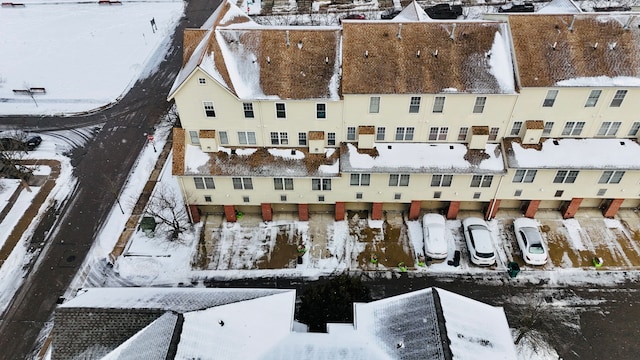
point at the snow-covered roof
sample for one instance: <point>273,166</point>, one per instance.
<point>422,158</point>
<point>574,154</point>
<point>296,162</point>
<point>577,50</point>
<point>426,324</point>
<point>426,57</point>
<point>412,12</point>
<point>560,7</point>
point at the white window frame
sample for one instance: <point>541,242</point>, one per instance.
<point>550,98</point>
<point>548,126</point>
<point>279,138</point>
<point>374,104</point>
<point>331,139</point>
<point>380,133</point>
<point>609,128</point>
<point>224,137</point>
<point>441,180</point>
<point>635,128</point>
<point>302,139</point>
<point>321,111</point>
<point>194,138</point>
<point>517,127</point>
<point>209,109</point>
<point>438,133</point>
<point>247,109</point>
<point>478,181</point>
<point>438,104</point>
<point>414,104</point>
<point>493,133</point>
<point>404,133</point>
<point>204,182</point>
<point>478,107</point>
<point>524,176</point>
<point>321,184</point>
<point>573,128</point>
<point>360,180</point>
<point>399,179</point>
<point>566,176</point>
<point>281,113</point>
<point>463,133</point>
<point>351,133</point>
<point>202,81</point>
<point>242,183</point>
<point>246,138</point>
<point>611,177</point>
<point>283,184</point>
<point>618,98</point>
<point>592,100</point>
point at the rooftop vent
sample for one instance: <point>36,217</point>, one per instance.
<point>268,60</point>
<point>554,45</point>
<point>233,151</point>
<point>399,31</point>
<point>573,20</point>
<point>595,46</point>
<point>623,143</point>
<point>300,44</point>
<point>293,152</point>
<point>389,147</point>
<point>555,142</point>
<point>435,53</point>
<point>366,53</point>
<point>450,147</point>
<point>326,59</point>
<point>288,43</point>
<point>418,53</point>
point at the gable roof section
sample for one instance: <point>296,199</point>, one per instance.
<point>576,50</point>
<point>560,7</point>
<point>426,57</point>
<point>412,12</point>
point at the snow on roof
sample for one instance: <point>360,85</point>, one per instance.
<point>575,154</point>
<point>423,158</point>
<point>560,7</point>
<point>569,48</point>
<point>476,330</point>
<point>296,162</point>
<point>152,342</point>
<point>320,346</point>
<point>413,12</point>
<point>191,64</point>
<point>243,330</point>
<point>175,299</point>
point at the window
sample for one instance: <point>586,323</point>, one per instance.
<point>202,81</point>
<point>547,128</point>
<point>403,133</point>
<point>550,98</point>
<point>374,104</point>
<point>397,196</point>
<point>380,133</point>
<point>321,184</point>
<point>204,182</point>
<point>359,196</point>
<point>601,192</point>
<point>634,129</point>
<point>193,135</point>
<point>207,198</point>
<point>283,197</point>
<point>281,111</point>
<point>559,193</point>
<point>592,100</point>
<point>609,128</point>
<point>246,137</point>
<point>360,179</point>
<point>481,180</point>
<point>478,107</point>
<point>245,199</point>
<point>441,180</point>
<point>438,104</point>
<point>209,110</point>
<point>565,177</point>
<point>493,133</point>
<point>279,138</point>
<point>224,139</point>
<point>283,183</point>
<point>476,195</point>
<point>437,194</point>
<point>462,135</point>
<point>248,110</point>
<point>321,111</point>
<point>331,139</point>
<point>618,98</point>
<point>573,128</point>
<point>351,133</point>
<point>526,176</point>
<point>414,105</point>
<point>302,139</point>
<point>517,192</point>
<point>436,133</point>
<point>244,183</point>
<point>398,179</point>
<point>515,130</point>
<point>611,177</point>
<point>321,198</point>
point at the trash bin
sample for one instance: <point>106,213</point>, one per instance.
<point>513,269</point>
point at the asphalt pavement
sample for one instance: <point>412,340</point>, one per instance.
<point>105,161</point>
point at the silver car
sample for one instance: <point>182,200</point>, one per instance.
<point>479,243</point>
<point>529,238</point>
<point>435,244</point>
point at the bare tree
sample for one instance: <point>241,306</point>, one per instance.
<point>13,150</point>
<point>167,207</point>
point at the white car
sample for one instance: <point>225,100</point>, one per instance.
<point>532,248</point>
<point>435,245</point>
<point>479,243</point>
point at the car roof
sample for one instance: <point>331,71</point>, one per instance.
<point>532,234</point>
<point>481,238</point>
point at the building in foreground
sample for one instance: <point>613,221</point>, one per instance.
<point>191,323</point>
<point>410,114</point>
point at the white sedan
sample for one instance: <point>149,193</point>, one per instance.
<point>479,243</point>
<point>435,244</point>
<point>533,249</point>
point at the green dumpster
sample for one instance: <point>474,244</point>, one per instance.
<point>148,225</point>
<point>513,269</point>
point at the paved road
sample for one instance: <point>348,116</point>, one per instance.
<point>107,159</point>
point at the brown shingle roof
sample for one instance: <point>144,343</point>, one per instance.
<point>178,152</point>
<point>316,135</point>
<point>574,56</point>
<point>191,39</point>
<point>370,130</point>
<point>376,61</point>
<point>207,134</point>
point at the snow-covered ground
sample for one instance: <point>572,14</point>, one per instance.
<point>61,48</point>
<point>84,55</point>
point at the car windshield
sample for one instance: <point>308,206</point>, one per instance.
<point>536,249</point>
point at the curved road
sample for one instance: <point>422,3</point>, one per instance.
<point>108,159</point>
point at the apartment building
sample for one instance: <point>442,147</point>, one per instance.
<point>409,114</point>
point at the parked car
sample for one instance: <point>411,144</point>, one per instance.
<point>389,14</point>
<point>529,238</point>
<point>33,142</point>
<point>526,7</point>
<point>444,11</point>
<point>479,243</point>
<point>353,17</point>
<point>435,244</point>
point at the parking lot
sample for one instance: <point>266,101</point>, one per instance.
<point>391,244</point>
